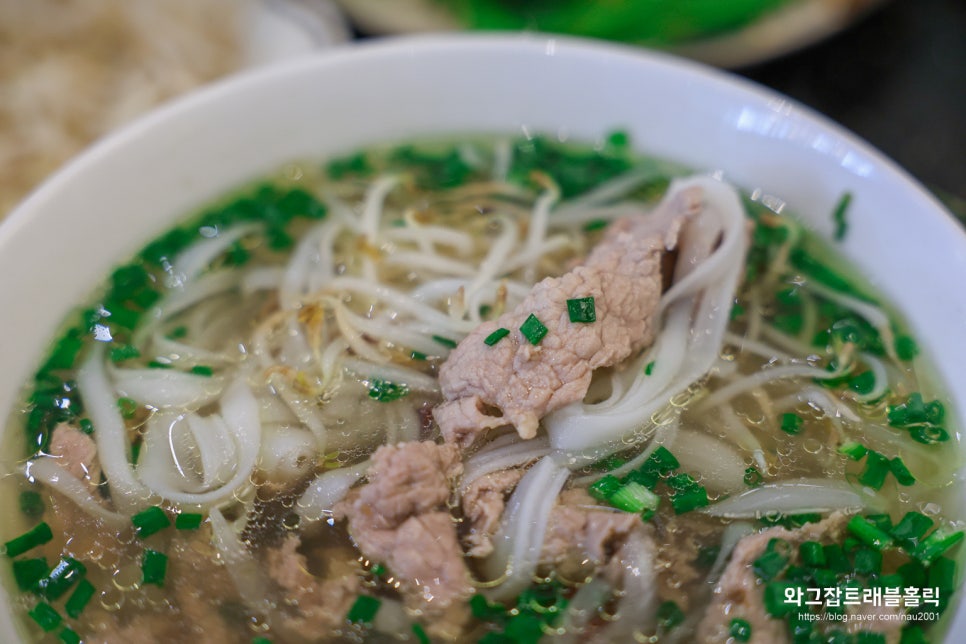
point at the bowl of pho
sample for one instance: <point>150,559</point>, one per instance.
<point>482,338</point>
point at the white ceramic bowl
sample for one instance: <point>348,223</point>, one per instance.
<point>134,185</point>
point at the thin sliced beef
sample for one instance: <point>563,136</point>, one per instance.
<point>483,503</point>
<point>515,382</point>
<point>739,592</point>
<point>580,530</point>
<point>76,452</point>
<point>400,518</point>
<point>313,606</point>
<point>404,480</point>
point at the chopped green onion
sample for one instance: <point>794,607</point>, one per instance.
<point>67,635</point>
<point>942,574</point>
<point>906,348</point>
<point>769,565</point>
<point>876,469</point>
<point>604,487</point>
<point>124,352</point>
<point>868,561</point>
<point>913,635</point>
<point>31,503</point>
<point>595,224</point>
<point>669,615</point>
<point>154,566</point>
<point>36,536</point>
<point>46,616</point>
<point>27,572</point>
<point>79,599</point>
<point>188,521</point>
<point>649,368</point>
<point>740,629</point>
<point>753,477</point>
<point>901,472</point>
<point>582,310</point>
<point>127,406</point>
<point>687,500</point>
<point>378,570</point>
<point>420,634</point>
<point>416,355</point>
<point>86,426</point>
<point>446,342</point>
<point>150,521</point>
<point>929,434</point>
<point>936,544</point>
<point>261,640</point>
<point>868,637</point>
<point>812,554</point>
<point>835,558</point>
<point>202,370</point>
<point>486,610</point>
<point>863,383</point>
<point>791,423</point>
<point>912,527</point>
<point>839,216</point>
<point>178,332</point>
<point>67,571</point>
<point>496,336</point>
<point>386,391</point>
<point>661,461</point>
<point>634,497</point>
<point>855,451</point>
<point>774,598</point>
<point>533,329</point>
<point>868,533</point>
<point>364,610</point>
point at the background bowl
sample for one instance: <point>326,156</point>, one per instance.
<point>106,204</point>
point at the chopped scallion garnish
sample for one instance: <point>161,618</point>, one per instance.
<point>154,566</point>
<point>839,216</point>
<point>36,536</point>
<point>876,470</point>
<point>79,599</point>
<point>533,329</point>
<point>150,521</point>
<point>855,451</point>
<point>188,521</point>
<point>791,423</point>
<point>446,342</point>
<point>496,336</point>
<point>31,503</point>
<point>868,533</point>
<point>582,310</point>
<point>28,572</point>
<point>901,472</point>
<point>363,610</point>
<point>634,497</point>
<point>67,571</point>
<point>46,616</point>
<point>740,629</point>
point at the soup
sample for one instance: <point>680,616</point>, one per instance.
<point>490,390</point>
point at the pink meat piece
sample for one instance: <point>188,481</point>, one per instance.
<point>580,529</point>
<point>400,518</point>
<point>515,382</point>
<point>314,606</point>
<point>404,480</point>
<point>75,452</point>
<point>483,503</point>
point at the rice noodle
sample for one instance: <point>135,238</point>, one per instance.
<point>327,489</point>
<point>46,470</point>
<point>239,413</point>
<point>790,497</point>
<point>196,258</point>
<point>733,533</point>
<point>519,540</point>
<point>166,388</point>
<point>240,565</point>
<point>113,449</point>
